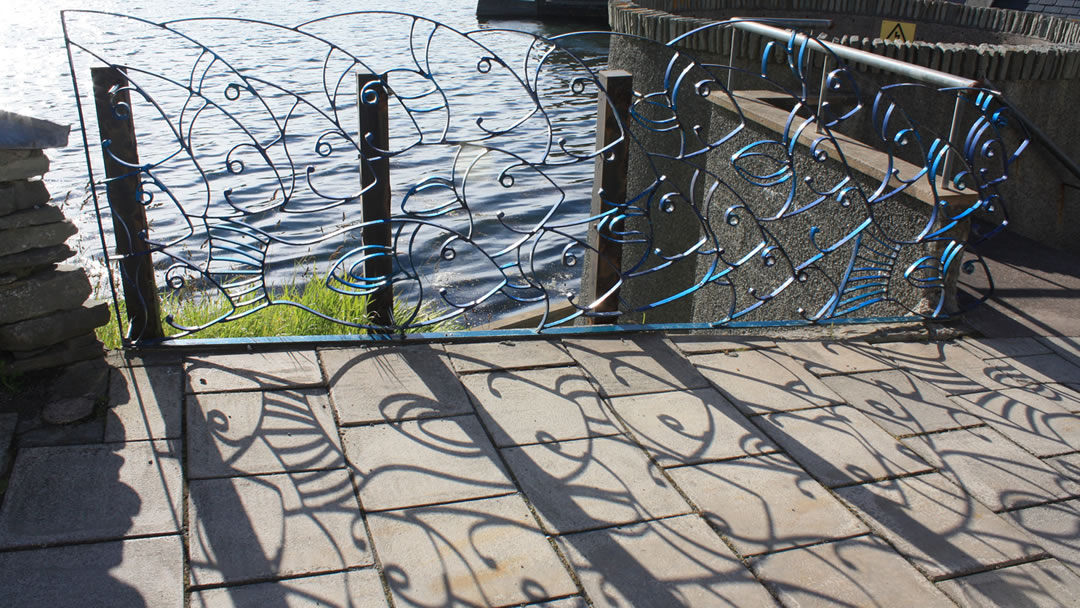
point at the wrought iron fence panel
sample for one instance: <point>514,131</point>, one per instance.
<point>498,186</point>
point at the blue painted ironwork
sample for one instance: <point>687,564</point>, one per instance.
<point>238,156</point>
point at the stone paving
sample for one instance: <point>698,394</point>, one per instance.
<point>643,470</point>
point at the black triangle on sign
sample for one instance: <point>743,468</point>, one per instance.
<point>897,32</point>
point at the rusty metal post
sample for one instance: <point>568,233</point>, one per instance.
<point>612,117</point>
<point>117,129</point>
<point>375,180</point>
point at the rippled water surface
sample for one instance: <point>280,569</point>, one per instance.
<point>295,66</point>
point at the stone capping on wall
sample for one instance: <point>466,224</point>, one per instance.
<point>757,107</point>
<point>1056,57</point>
<point>46,320</point>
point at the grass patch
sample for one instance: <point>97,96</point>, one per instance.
<point>275,320</point>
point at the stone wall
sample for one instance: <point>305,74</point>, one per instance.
<point>1034,60</point>
<point>45,318</point>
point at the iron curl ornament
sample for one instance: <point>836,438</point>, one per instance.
<point>813,192</point>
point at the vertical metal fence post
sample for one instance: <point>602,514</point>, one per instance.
<point>823,89</point>
<point>375,179</point>
<point>610,172</point>
<point>117,129</point>
<point>947,169</point>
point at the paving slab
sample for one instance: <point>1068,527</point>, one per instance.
<point>261,432</point>
<point>396,383</point>
<point>1068,348</point>
<point>766,503</point>
<point>839,445</point>
<point>760,381</point>
<point>670,562</point>
<point>690,427</point>
<point>951,367</point>
<point>1057,529</point>
<point>487,552</point>
<point>996,348</point>
<point>69,494</point>
<point>592,483</point>
<point>508,354</point>
<point>830,358</point>
<point>700,344</point>
<point>937,526</point>
<point>1044,369</point>
<point>134,572</point>
<point>356,589</point>
<point>421,462</point>
<point>1041,584</point>
<point>1032,421</point>
<point>861,571</point>
<point>288,524</point>
<point>1068,465</point>
<point>252,371</point>
<point>992,468</point>
<point>144,403</point>
<point>639,364</point>
<point>534,406</point>
<point>900,403</point>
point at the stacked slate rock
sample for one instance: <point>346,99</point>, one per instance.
<point>45,318</point>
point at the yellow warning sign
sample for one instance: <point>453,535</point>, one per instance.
<point>897,30</point>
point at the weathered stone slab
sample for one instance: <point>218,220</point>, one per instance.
<point>30,261</point>
<point>509,354</point>
<point>1054,527</point>
<point>47,235</point>
<point>760,381</point>
<point>860,571</point>
<point>22,194</point>
<point>355,588</point>
<point>936,525</point>
<point>136,572</point>
<point>22,164</point>
<point>92,492</point>
<point>290,524</point>
<point>838,445</point>
<point>592,483</point>
<point>1032,421</point>
<point>628,366</point>
<point>1042,584</point>
<point>766,503</point>
<point>671,562</point>
<point>45,214</point>
<point>827,358</point>
<point>43,293</point>
<point>422,462</point>
<point>253,371</point>
<point>699,344</point>
<point>82,348</point>
<point>394,383</point>
<point>993,469</point>
<point>67,410</point>
<point>689,427</point>
<point>18,132</point>
<point>144,403</point>
<point>252,433</point>
<point>478,553</point>
<point>534,406</point>
<point>46,331</point>
<point>899,403</point>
